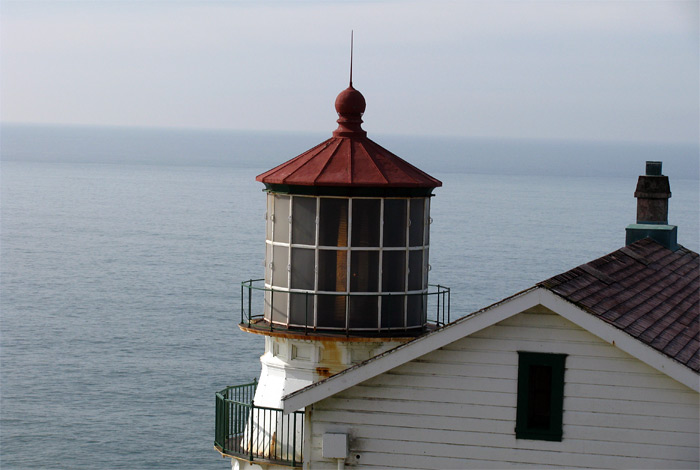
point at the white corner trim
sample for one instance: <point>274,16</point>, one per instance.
<point>411,350</point>
<point>620,339</point>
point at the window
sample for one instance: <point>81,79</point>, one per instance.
<point>540,396</point>
<point>281,219</point>
<point>304,220</point>
<point>395,222</point>
<point>302,265</point>
<point>333,219</point>
<point>365,222</point>
<point>416,225</point>
<point>337,262</point>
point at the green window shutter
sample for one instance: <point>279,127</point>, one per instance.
<point>540,396</point>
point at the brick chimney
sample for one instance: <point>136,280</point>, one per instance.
<point>653,192</point>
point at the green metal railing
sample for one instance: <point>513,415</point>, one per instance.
<point>256,433</point>
<point>416,311</point>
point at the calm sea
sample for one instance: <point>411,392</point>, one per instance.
<point>122,252</point>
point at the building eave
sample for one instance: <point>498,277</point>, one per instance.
<point>408,351</point>
<point>478,321</point>
<point>621,339</point>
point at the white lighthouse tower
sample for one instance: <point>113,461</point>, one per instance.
<point>346,278</point>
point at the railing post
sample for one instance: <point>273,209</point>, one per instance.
<point>250,433</point>
<point>294,440</point>
<point>217,423</point>
<point>250,308</point>
<point>448,304</point>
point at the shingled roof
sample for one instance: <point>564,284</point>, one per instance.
<point>648,291</point>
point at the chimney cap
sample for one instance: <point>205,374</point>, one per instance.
<point>653,168</point>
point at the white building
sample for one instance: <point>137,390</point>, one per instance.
<point>594,368</point>
<point>597,367</point>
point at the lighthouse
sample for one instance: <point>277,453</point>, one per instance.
<point>346,278</point>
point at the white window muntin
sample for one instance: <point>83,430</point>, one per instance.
<point>270,235</point>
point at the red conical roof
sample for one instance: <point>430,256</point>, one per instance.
<point>349,158</point>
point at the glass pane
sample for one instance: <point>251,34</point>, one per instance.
<point>415,270</point>
<point>331,311</point>
<point>394,222</point>
<point>332,270</point>
<point>304,220</point>
<point>364,311</point>
<point>364,271</point>
<point>540,397</point>
<point>393,271</point>
<point>302,268</point>
<point>268,263</point>
<point>266,307</point>
<point>333,222</point>
<point>279,307</point>
<point>268,216</point>
<point>280,261</point>
<point>281,218</point>
<point>392,311</point>
<point>301,309</point>
<point>365,222</point>
<point>415,310</point>
<point>415,231</point>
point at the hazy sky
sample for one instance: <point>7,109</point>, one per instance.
<point>555,69</point>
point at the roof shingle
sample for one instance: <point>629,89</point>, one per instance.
<point>645,290</point>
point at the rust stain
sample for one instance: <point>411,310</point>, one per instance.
<point>331,353</point>
<point>323,372</point>
<point>273,444</point>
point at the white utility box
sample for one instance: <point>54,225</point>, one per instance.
<point>335,446</point>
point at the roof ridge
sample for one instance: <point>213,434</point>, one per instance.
<point>350,162</point>
<point>282,165</point>
<point>396,167</point>
<point>373,161</point>
<point>418,171</point>
<point>330,157</point>
<point>309,156</point>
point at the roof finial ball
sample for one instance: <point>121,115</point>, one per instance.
<point>350,105</point>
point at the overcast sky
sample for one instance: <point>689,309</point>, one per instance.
<point>584,70</point>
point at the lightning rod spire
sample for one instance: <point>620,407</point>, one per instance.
<point>351,47</point>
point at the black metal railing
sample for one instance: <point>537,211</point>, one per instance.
<point>256,433</point>
<point>350,313</point>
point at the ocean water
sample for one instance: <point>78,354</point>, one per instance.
<point>120,278</point>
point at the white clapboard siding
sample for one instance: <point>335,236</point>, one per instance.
<point>446,410</point>
<point>455,407</point>
<point>485,439</point>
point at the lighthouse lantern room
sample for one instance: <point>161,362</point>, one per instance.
<point>346,278</point>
